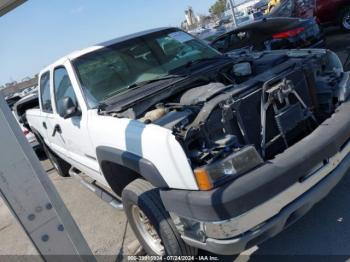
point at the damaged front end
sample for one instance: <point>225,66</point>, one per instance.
<point>250,109</point>
<point>301,122</point>
<point>267,113</point>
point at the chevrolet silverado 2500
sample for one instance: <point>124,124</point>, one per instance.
<point>204,150</point>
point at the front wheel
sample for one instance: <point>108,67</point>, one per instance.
<point>150,221</point>
<point>345,19</point>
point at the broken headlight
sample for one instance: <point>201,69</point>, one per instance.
<point>235,164</point>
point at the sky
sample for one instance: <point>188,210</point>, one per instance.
<point>39,32</point>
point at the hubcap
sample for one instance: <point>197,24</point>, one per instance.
<point>346,20</point>
<point>147,230</point>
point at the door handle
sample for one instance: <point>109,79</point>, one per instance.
<point>56,128</point>
<point>44,125</point>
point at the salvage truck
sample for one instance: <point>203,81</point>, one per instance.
<point>202,150</point>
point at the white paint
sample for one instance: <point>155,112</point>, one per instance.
<point>82,135</point>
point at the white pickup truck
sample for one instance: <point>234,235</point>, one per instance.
<point>203,150</point>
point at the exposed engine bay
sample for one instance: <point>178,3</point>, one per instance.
<point>268,100</point>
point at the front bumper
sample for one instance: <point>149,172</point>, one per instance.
<point>267,229</point>
<point>259,204</point>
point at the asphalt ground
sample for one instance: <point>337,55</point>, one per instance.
<point>322,235</point>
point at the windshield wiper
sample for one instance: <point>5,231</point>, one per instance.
<point>192,63</point>
<point>202,60</point>
<point>146,82</point>
<point>135,86</point>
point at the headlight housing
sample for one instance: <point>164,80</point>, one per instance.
<point>235,164</point>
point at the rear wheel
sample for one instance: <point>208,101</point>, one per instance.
<point>150,221</point>
<point>61,166</point>
<point>345,19</point>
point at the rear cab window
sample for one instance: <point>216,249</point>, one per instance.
<point>45,93</point>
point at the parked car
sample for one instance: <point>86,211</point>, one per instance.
<point>211,34</point>
<point>291,8</point>
<point>19,109</point>
<point>249,18</point>
<point>272,34</point>
<point>330,12</point>
<point>327,12</point>
<point>14,102</point>
<point>11,100</point>
<point>204,150</point>
<point>262,5</point>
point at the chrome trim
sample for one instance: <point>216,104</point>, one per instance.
<point>257,216</point>
<point>343,90</point>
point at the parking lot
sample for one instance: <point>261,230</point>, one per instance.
<point>323,231</point>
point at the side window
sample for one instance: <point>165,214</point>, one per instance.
<point>220,44</point>
<point>240,40</point>
<point>63,88</point>
<point>234,41</point>
<point>45,93</point>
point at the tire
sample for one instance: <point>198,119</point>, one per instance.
<point>345,19</point>
<point>141,195</point>
<point>61,166</point>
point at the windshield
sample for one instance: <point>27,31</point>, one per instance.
<point>115,69</point>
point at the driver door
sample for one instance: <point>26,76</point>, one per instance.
<point>73,130</point>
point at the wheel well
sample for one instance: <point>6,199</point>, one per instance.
<point>118,176</point>
<point>36,134</point>
<point>38,137</point>
<point>41,141</point>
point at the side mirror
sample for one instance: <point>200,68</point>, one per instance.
<point>69,108</point>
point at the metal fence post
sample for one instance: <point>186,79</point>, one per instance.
<point>33,199</point>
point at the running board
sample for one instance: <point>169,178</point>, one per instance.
<point>99,191</point>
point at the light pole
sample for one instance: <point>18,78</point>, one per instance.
<point>232,7</point>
